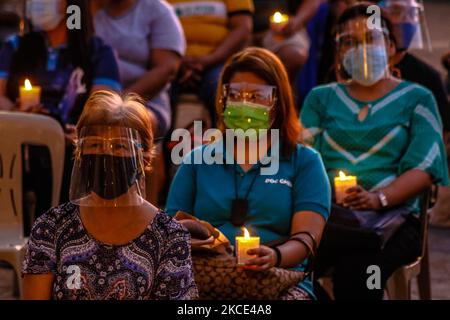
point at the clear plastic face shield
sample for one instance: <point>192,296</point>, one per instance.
<point>362,50</point>
<point>409,22</point>
<point>248,105</point>
<point>109,168</point>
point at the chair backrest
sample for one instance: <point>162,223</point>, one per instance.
<point>16,129</point>
<point>423,217</point>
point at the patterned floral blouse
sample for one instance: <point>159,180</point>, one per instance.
<point>155,265</point>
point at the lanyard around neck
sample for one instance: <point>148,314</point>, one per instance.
<point>235,184</point>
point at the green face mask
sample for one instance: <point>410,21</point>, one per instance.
<point>246,115</point>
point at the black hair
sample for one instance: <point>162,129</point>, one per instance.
<point>361,10</point>
<point>31,54</point>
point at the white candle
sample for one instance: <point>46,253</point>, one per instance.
<point>341,184</point>
<point>29,95</point>
<point>243,244</point>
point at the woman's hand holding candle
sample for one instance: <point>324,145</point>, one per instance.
<point>6,104</point>
<point>265,259</point>
<point>341,184</point>
<point>251,255</point>
<point>292,26</point>
<point>243,245</point>
<point>360,199</point>
<point>39,109</point>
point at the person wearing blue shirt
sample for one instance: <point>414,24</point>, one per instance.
<point>287,206</point>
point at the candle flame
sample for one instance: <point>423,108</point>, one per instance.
<point>342,175</point>
<point>28,85</point>
<point>277,17</point>
<point>246,234</point>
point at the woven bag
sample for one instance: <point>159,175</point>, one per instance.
<point>218,277</point>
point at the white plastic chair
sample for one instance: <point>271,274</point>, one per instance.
<point>398,286</point>
<point>16,129</point>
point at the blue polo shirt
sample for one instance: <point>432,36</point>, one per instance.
<point>57,75</point>
<point>208,190</point>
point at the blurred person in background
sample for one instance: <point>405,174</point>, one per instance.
<point>290,42</point>
<point>214,30</point>
<point>446,64</point>
<point>411,32</point>
<point>68,65</point>
<point>440,214</point>
<point>149,43</point>
<point>326,63</point>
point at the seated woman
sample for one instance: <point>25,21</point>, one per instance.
<point>291,202</point>
<point>68,64</point>
<point>109,242</point>
<point>383,130</point>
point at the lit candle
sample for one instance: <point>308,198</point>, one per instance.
<point>29,95</point>
<point>243,244</point>
<point>278,20</point>
<point>341,184</point>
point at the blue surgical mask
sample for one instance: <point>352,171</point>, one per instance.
<point>405,33</point>
<point>374,57</point>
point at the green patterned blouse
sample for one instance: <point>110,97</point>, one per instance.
<point>400,131</point>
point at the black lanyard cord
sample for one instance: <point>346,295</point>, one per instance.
<point>235,184</point>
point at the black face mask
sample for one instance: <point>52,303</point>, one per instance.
<point>109,176</point>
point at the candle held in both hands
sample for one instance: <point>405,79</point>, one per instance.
<point>341,184</point>
<point>243,244</point>
<point>29,95</point>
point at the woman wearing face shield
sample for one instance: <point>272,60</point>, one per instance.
<point>410,32</point>
<point>385,131</point>
<point>286,207</point>
<point>108,242</point>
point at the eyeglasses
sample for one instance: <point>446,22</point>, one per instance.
<point>264,95</point>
